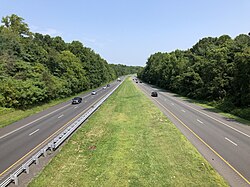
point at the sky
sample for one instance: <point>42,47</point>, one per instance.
<point>129,31</point>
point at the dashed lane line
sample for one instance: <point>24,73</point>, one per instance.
<point>34,132</point>
<point>206,144</point>
<point>231,141</point>
<point>60,116</point>
<point>247,135</point>
<point>33,122</point>
<point>199,121</point>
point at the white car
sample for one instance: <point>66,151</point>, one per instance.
<point>104,87</point>
<point>93,92</point>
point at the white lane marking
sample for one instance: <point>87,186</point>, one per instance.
<point>172,104</point>
<point>34,132</point>
<point>60,116</point>
<point>183,111</point>
<point>85,96</point>
<point>76,107</point>
<point>216,120</point>
<point>36,120</point>
<point>199,121</point>
<point>33,121</point>
<point>231,141</point>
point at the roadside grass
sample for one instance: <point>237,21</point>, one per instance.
<point>11,115</point>
<point>234,114</point>
<point>214,107</point>
<point>231,116</point>
<point>128,142</point>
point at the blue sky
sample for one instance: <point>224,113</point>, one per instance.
<point>129,31</point>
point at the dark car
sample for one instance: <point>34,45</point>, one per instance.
<point>76,100</point>
<point>108,85</point>
<point>154,94</point>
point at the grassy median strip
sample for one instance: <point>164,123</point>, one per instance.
<point>128,142</point>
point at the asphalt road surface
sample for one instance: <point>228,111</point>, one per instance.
<point>224,142</point>
<point>20,140</point>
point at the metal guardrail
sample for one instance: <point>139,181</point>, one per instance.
<point>54,144</point>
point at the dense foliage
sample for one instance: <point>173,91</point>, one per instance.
<point>36,68</point>
<point>125,70</point>
<point>214,69</point>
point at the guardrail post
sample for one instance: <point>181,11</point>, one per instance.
<point>52,148</point>
<point>35,158</point>
<point>45,152</point>
<point>53,144</point>
<point>50,145</point>
<point>26,168</point>
<point>14,177</point>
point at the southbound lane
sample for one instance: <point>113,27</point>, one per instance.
<point>20,140</point>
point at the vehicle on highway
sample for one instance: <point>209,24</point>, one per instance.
<point>154,94</point>
<point>104,87</point>
<point>76,100</point>
<point>119,79</point>
<point>108,85</point>
<point>140,81</point>
<point>93,93</point>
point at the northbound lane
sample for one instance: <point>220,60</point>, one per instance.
<point>225,144</point>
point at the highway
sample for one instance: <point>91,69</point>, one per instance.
<point>223,142</point>
<point>20,140</point>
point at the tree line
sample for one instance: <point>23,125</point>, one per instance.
<point>214,69</point>
<point>37,68</point>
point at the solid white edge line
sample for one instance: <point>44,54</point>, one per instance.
<point>215,119</point>
<point>197,136</point>
<point>37,120</point>
<point>32,122</point>
<point>98,100</point>
<point>183,110</point>
<point>34,132</point>
<point>231,141</point>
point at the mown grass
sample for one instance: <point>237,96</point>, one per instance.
<point>128,142</point>
<point>11,115</point>
<point>241,115</point>
<point>232,115</point>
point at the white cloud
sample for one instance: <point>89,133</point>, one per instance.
<point>92,40</point>
<point>50,31</point>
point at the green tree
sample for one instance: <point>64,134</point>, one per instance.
<point>241,82</point>
<point>16,25</point>
<point>36,68</point>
